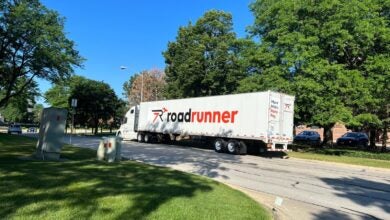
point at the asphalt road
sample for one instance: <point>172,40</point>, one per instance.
<point>294,188</point>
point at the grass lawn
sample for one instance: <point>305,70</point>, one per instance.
<point>83,188</point>
<point>342,155</point>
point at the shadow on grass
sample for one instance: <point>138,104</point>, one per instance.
<point>343,151</point>
<point>82,182</point>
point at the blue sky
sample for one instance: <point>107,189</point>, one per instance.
<point>134,34</point>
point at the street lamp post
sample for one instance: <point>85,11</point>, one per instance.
<point>142,86</point>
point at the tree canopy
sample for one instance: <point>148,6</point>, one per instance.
<point>32,45</point>
<point>19,109</point>
<point>97,101</point>
<point>332,55</point>
<point>204,58</point>
<point>150,83</point>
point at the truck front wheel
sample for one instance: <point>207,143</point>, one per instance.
<point>219,145</point>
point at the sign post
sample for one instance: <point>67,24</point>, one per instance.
<point>73,105</point>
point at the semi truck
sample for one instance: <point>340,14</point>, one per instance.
<point>262,121</point>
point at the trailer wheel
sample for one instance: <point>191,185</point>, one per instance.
<point>148,138</point>
<point>140,137</point>
<point>219,145</point>
<point>233,147</point>
<point>243,149</point>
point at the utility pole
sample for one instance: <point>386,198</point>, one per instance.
<point>142,86</point>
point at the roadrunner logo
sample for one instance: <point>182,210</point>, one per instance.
<point>195,116</point>
<point>159,113</point>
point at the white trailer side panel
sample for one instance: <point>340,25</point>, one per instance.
<point>236,116</point>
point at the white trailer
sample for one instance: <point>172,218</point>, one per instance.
<point>263,120</point>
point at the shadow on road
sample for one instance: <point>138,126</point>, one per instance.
<point>330,215</point>
<point>363,192</point>
<point>203,162</point>
<point>251,151</point>
<point>201,158</point>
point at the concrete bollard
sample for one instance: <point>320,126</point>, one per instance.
<point>110,149</point>
<point>101,150</point>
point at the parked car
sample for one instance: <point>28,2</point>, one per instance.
<point>354,139</point>
<point>14,128</point>
<point>308,137</point>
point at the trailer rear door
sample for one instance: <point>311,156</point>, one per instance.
<point>280,119</point>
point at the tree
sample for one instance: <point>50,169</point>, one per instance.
<point>153,82</point>
<point>37,111</point>
<point>97,102</point>
<point>18,107</point>
<point>377,69</point>
<point>330,54</point>
<point>32,45</point>
<point>120,110</point>
<point>58,96</point>
<point>204,59</point>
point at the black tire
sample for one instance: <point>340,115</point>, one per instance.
<point>243,148</point>
<point>362,144</point>
<point>160,138</point>
<point>148,138</point>
<point>233,147</point>
<point>262,150</point>
<point>219,145</point>
<point>140,137</point>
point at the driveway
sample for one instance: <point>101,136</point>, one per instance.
<point>293,188</point>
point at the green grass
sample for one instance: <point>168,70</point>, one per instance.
<point>83,188</point>
<point>348,156</point>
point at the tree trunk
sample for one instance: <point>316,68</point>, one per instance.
<point>328,136</point>
<point>372,138</point>
<point>384,137</point>
<point>96,126</point>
